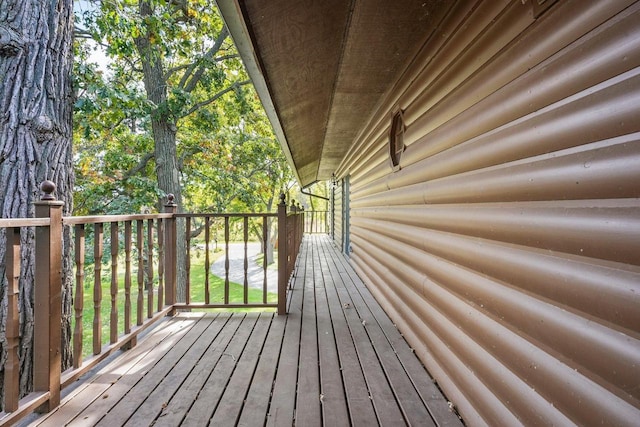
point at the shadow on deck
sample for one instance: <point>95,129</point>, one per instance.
<point>336,359</point>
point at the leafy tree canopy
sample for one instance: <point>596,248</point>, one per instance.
<point>227,156</point>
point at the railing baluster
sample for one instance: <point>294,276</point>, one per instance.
<point>264,258</point>
<point>150,268</point>
<point>187,259</point>
<point>97,287</point>
<point>113,324</point>
<point>207,262</point>
<point>12,332</point>
<point>245,224</point>
<point>79,296</point>
<point>160,264</point>
<point>127,277</point>
<point>139,246</point>
<point>226,260</point>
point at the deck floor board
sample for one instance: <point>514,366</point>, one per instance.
<point>437,406</point>
<point>118,387</point>
<point>158,399</point>
<point>359,403</point>
<point>335,360</point>
<point>77,402</point>
<point>333,400</point>
<point>213,389</point>
<point>179,405</point>
<point>129,403</point>
<point>257,400</point>
<point>407,397</point>
<point>230,406</point>
<point>283,395</point>
<point>308,396</point>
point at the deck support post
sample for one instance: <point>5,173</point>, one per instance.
<point>48,299</point>
<point>170,254</point>
<point>282,255</point>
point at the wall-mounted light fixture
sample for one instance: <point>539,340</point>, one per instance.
<point>396,139</point>
<point>333,183</point>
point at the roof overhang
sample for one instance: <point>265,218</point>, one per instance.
<point>321,67</point>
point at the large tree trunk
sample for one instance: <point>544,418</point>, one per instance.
<point>167,173</point>
<point>36,96</point>
<point>272,236</point>
<point>164,136</point>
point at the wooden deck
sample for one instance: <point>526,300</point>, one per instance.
<point>335,360</point>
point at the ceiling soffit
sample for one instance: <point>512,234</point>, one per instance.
<point>325,65</point>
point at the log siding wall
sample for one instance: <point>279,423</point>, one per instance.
<point>507,247</point>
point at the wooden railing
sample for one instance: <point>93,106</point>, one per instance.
<point>153,233</point>
<point>291,237</point>
<point>142,269</point>
<point>316,222</point>
<point>221,295</point>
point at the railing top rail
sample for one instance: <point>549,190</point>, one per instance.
<point>93,219</point>
<point>227,214</point>
<point>73,220</point>
<point>24,222</point>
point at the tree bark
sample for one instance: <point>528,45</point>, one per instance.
<point>36,59</point>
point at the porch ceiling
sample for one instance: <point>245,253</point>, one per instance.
<point>320,67</point>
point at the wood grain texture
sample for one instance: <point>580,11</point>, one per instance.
<point>318,365</point>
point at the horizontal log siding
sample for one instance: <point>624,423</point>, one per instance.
<point>507,248</point>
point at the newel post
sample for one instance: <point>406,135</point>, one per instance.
<point>170,253</point>
<point>282,255</point>
<point>47,296</point>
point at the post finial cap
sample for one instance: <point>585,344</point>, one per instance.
<point>47,187</point>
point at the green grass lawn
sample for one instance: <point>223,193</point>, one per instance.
<point>197,280</point>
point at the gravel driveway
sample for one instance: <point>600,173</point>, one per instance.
<point>255,272</point>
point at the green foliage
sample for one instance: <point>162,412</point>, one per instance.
<point>227,156</point>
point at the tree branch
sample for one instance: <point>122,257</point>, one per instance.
<point>217,96</point>
<point>173,70</point>
<point>225,57</point>
<point>82,34</point>
<point>195,232</point>
<point>195,72</point>
<point>132,65</point>
<point>141,165</point>
<point>192,65</point>
<point>186,154</point>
